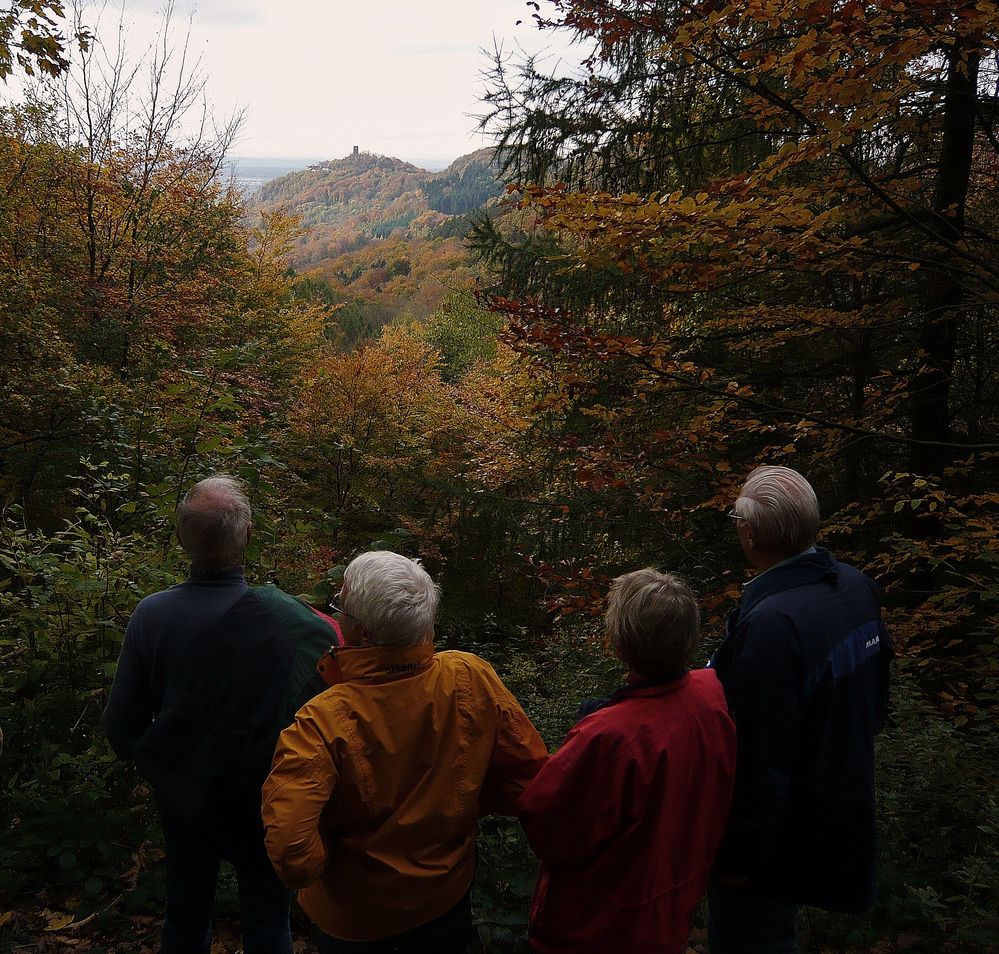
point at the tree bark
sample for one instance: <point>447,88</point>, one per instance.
<point>945,296</point>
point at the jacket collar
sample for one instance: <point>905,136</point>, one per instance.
<point>633,688</point>
<point>382,663</point>
<point>809,567</point>
<point>219,576</point>
<point>649,687</point>
<point>790,559</point>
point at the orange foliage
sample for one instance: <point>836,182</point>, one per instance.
<point>821,304</point>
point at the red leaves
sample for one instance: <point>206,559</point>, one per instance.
<point>571,587</point>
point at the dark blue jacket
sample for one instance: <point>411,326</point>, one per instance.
<point>210,672</point>
<point>805,670</point>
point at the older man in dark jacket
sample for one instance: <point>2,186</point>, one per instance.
<point>210,672</point>
<point>805,670</point>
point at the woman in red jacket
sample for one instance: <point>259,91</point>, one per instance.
<point>628,815</point>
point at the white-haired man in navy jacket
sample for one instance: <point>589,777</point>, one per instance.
<point>805,670</point>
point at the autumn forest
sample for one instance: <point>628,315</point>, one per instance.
<point>740,232</point>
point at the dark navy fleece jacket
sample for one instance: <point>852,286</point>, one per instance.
<point>210,672</point>
<point>805,670</point>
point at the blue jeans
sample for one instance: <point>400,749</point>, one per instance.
<point>451,933</point>
<point>193,859</point>
<point>743,921</point>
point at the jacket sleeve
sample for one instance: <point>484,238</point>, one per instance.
<point>518,753</point>
<point>129,711</point>
<point>886,656</point>
<point>302,782</point>
<point>573,807</point>
<point>764,692</point>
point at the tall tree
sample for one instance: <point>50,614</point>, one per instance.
<point>138,305</point>
<point>766,230</point>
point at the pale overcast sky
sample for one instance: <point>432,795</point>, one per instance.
<point>321,76</point>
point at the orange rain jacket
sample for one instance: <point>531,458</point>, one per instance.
<point>375,790</point>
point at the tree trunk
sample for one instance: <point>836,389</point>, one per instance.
<point>945,296</point>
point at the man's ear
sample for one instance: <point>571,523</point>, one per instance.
<point>745,534</point>
<point>249,533</point>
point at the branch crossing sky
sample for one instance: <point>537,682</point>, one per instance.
<point>320,76</point>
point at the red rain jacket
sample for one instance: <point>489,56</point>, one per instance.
<point>627,818</point>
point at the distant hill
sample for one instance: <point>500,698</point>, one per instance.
<point>358,190</point>
<point>384,234</point>
<point>377,194</point>
<point>467,184</point>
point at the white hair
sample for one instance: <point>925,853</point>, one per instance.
<point>212,523</point>
<point>392,597</point>
<point>652,622</point>
<point>781,508</point>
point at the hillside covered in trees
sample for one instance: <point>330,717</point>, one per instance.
<point>383,238</point>
<point>742,232</point>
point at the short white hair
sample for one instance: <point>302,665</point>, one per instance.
<point>392,597</point>
<point>781,508</point>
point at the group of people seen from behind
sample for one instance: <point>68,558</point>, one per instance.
<point>343,757</point>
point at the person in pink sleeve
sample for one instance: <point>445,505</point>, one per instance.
<point>628,815</point>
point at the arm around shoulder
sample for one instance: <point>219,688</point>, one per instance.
<point>518,752</point>
<point>573,806</point>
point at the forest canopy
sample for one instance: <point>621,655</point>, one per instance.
<point>740,233</point>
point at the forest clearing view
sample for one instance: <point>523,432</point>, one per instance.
<point>717,234</point>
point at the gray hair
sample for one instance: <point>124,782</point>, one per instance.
<point>781,508</point>
<point>212,523</point>
<point>392,597</point>
<point>652,622</point>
